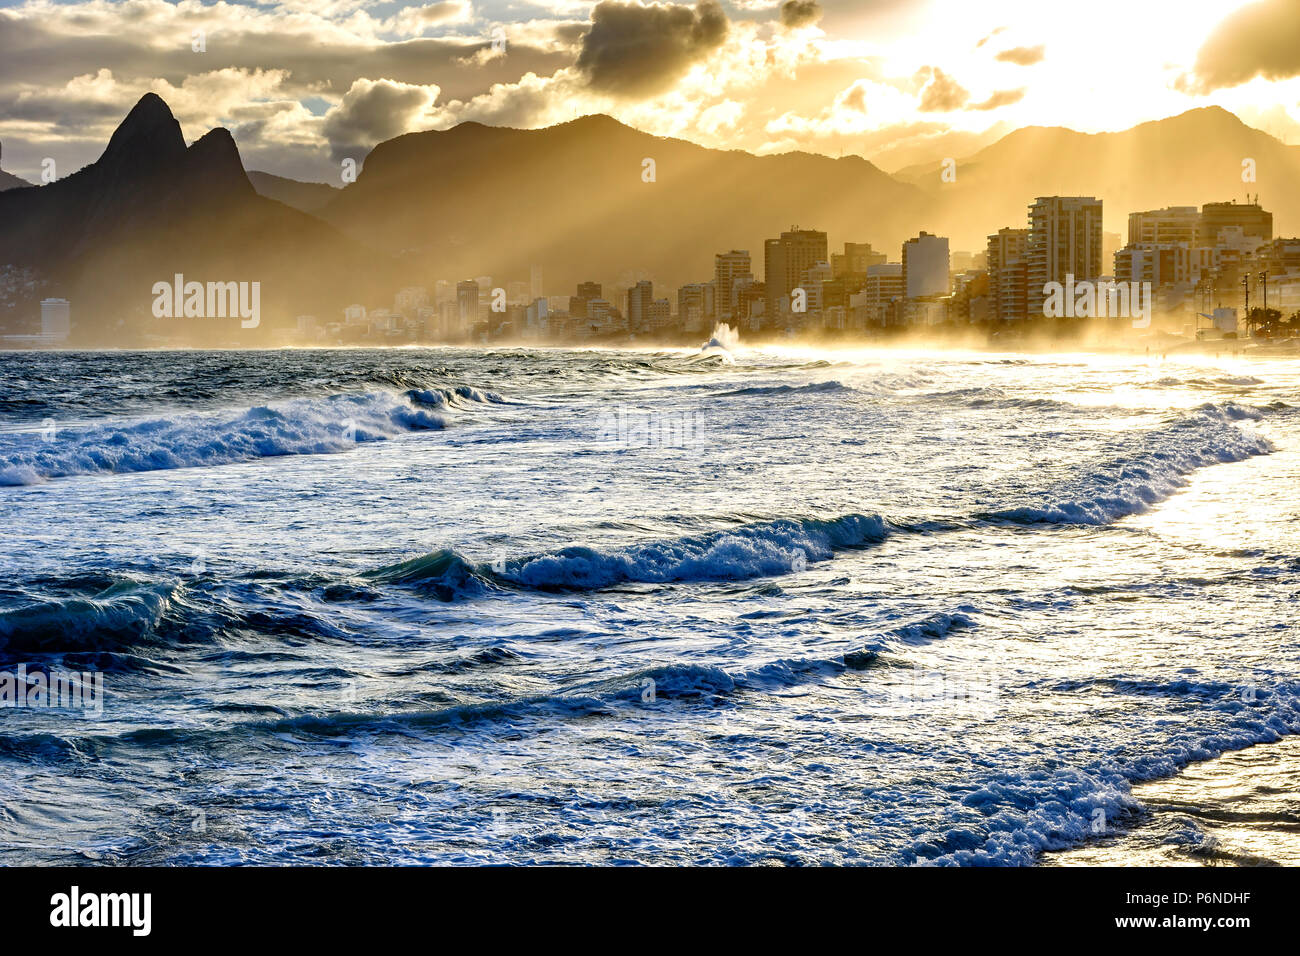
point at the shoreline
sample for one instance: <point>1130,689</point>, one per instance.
<point>1241,808</point>
<point>1176,349</point>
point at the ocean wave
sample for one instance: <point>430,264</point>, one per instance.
<point>1046,809</point>
<point>1132,485</point>
<point>153,617</point>
<point>1021,816</point>
<point>1024,404</point>
<point>1238,380</point>
<point>125,615</point>
<point>812,387</point>
<point>933,628</point>
<point>296,427</point>
<point>1231,412</point>
<point>763,549</point>
<point>1234,381</point>
<point>680,682</point>
<point>454,396</point>
<point>443,574</point>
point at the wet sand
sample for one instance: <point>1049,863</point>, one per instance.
<point>1240,809</point>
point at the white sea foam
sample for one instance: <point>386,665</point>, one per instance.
<point>1114,490</point>
<point>306,426</point>
<point>747,551</point>
<point>724,341</point>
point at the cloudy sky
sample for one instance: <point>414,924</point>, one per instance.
<point>303,84</point>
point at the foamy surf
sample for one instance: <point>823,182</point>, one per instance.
<point>1158,469</point>
<point>762,549</point>
<point>724,342</point>
<point>605,661</point>
<point>306,426</point>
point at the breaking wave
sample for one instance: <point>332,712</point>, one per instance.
<point>305,426</point>
<point>1135,483</point>
<point>124,615</point>
<point>762,549</point>
<point>815,387</point>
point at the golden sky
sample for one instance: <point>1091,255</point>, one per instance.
<point>304,83</point>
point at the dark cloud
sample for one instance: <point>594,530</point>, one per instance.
<point>32,52</point>
<point>1262,39</point>
<point>636,50</point>
<point>1023,55</point>
<point>999,99</point>
<point>800,13</point>
<point>571,33</point>
<point>53,106</point>
<point>373,111</point>
<point>942,94</point>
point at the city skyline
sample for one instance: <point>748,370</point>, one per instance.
<point>1187,262</point>
<point>1188,258</point>
<point>802,287</point>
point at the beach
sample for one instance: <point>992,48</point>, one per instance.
<point>720,605</point>
<point>1240,809</point>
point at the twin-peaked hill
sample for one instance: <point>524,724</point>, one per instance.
<point>151,207</point>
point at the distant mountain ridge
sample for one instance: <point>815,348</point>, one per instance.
<point>477,200</point>
<point>10,181</point>
<point>594,199</point>
<point>1186,160</point>
<point>587,199</point>
<point>303,196</point>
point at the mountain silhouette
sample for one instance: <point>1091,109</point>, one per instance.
<point>151,207</point>
<point>305,197</point>
<point>587,199</point>
<point>10,181</point>
<point>1185,160</point>
<point>573,198</point>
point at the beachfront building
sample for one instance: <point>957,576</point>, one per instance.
<point>1065,239</point>
<point>786,259</point>
<point>1008,268</point>
<point>925,266</point>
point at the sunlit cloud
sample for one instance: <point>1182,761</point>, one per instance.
<point>301,82</point>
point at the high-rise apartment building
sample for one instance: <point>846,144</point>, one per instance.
<point>871,306</point>
<point>855,259</point>
<point>1065,238</point>
<point>467,303</point>
<point>1008,267</point>
<point>587,291</point>
<point>1172,224</point>
<point>1160,263</point>
<point>639,298</point>
<point>727,268</point>
<point>925,266</point>
<point>785,260</point>
<point>1218,216</point>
